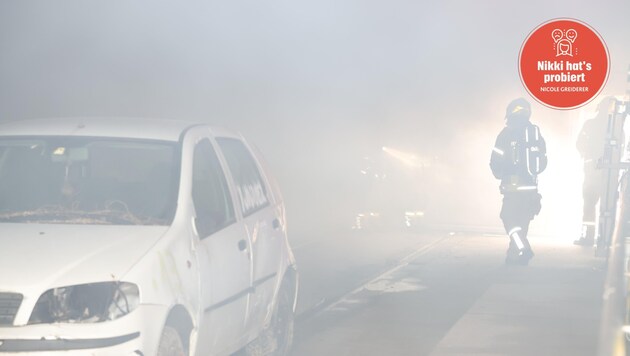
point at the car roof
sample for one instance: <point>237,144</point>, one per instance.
<point>119,127</point>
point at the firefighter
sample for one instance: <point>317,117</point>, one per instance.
<point>590,144</point>
<point>518,156</point>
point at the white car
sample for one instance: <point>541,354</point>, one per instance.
<point>140,237</point>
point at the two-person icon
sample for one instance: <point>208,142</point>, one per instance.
<point>564,41</point>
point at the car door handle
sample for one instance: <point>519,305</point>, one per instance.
<point>242,245</point>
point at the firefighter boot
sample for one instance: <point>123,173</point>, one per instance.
<point>588,236</point>
<point>519,251</point>
<point>511,255</point>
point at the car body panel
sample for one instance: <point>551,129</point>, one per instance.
<point>147,320</point>
<point>89,254</point>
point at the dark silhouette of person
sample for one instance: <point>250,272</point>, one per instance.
<point>591,143</point>
<point>518,156</point>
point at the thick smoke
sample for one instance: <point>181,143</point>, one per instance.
<point>317,85</point>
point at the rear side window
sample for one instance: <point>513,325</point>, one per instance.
<point>247,178</point>
<point>210,193</point>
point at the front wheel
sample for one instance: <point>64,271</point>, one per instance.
<point>277,337</point>
<point>171,343</point>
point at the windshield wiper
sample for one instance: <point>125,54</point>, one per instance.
<point>60,215</point>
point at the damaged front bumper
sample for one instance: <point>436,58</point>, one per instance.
<point>137,333</point>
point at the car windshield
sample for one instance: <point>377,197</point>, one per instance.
<point>85,180</point>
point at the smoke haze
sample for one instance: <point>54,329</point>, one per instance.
<point>317,85</point>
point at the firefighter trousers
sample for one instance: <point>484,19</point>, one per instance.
<point>592,188</point>
<point>518,209</point>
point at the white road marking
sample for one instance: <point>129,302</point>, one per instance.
<point>394,286</point>
<point>401,264</point>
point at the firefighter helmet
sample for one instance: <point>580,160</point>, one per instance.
<point>518,108</point>
<point>606,105</point>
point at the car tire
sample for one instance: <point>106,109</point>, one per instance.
<point>277,337</point>
<point>170,343</point>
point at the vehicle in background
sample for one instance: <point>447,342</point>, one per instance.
<point>393,191</point>
<point>140,237</point>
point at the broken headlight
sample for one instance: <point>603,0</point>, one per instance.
<point>86,303</point>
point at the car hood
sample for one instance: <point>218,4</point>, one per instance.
<point>44,256</point>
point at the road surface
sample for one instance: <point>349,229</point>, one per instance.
<point>441,293</point>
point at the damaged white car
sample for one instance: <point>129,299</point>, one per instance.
<point>140,237</point>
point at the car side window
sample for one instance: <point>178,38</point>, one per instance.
<point>210,192</point>
<point>249,183</point>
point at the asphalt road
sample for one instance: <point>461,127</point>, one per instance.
<point>444,294</point>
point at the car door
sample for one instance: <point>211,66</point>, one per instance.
<point>222,252</point>
<point>261,221</point>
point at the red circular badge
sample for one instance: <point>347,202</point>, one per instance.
<point>564,63</point>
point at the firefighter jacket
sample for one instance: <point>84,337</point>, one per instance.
<point>518,156</point>
<point>592,138</point>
